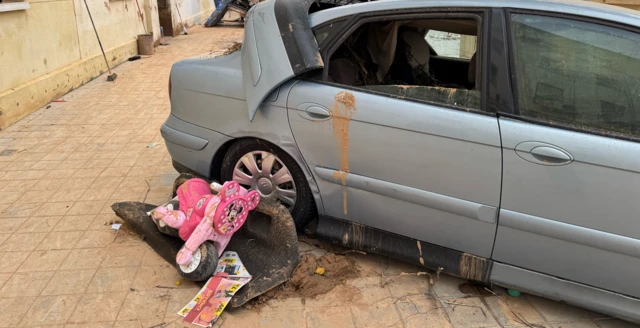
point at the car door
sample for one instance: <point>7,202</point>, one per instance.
<point>423,164</point>
<point>278,45</point>
<point>571,153</point>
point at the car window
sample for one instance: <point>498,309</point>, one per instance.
<point>577,73</point>
<point>452,45</point>
<point>395,57</point>
<point>323,32</point>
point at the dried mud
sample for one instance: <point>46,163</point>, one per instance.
<point>343,110</point>
<point>306,284</point>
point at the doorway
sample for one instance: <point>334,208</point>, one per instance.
<point>166,20</point>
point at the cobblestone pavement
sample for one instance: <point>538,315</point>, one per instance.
<point>61,265</point>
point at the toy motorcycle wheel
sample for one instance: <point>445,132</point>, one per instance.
<point>203,265</point>
<point>163,227</point>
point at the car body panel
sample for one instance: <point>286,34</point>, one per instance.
<point>437,162</point>
<point>199,161</point>
<point>562,290</point>
<point>199,82</point>
<point>278,45</point>
<point>584,214</point>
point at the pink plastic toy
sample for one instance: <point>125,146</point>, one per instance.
<point>204,216</point>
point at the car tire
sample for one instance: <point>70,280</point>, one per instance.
<point>207,261</point>
<point>216,17</point>
<point>304,209</point>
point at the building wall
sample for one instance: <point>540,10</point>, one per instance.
<point>51,48</point>
<point>631,4</point>
<point>189,13</point>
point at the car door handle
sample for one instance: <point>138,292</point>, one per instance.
<point>318,112</point>
<point>543,153</point>
<point>550,155</point>
<point>315,112</point>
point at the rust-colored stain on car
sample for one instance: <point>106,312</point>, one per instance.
<point>343,109</point>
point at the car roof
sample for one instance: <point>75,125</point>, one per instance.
<point>572,7</point>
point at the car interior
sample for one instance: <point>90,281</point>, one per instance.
<point>396,57</point>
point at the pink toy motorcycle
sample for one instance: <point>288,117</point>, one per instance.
<point>205,221</point>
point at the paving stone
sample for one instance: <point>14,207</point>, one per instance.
<point>576,324</point>
<point>86,207</point>
<point>22,242</point>
<point>400,286</point>
<point>335,317</point>
<point>4,277</point>
<point>123,256</point>
<point>556,311</point>
<point>50,310</point>
<point>112,280</point>
<point>148,304</point>
<point>101,307</point>
<point>68,196</point>
<point>175,323</point>
<point>87,258</point>
<point>26,284</point>
<point>10,225</point>
<point>381,313</point>
<point>69,282</point>
<point>11,261</point>
<point>468,312</point>
<point>40,224</point>
<point>13,310</point>
<point>449,286</point>
<point>422,311</point>
<point>152,258</point>
<point>100,238</point>
<point>92,325</point>
<point>148,277</point>
<point>60,240</point>
<point>74,222</point>
<point>513,310</point>
<point>44,260</point>
<point>178,299</point>
<point>20,210</point>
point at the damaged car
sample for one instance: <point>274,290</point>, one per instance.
<point>496,141</point>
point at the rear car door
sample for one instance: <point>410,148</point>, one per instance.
<point>419,161</point>
<point>571,151</point>
<point>278,45</point>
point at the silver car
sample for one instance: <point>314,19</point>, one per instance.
<point>496,140</point>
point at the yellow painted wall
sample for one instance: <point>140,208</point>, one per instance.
<point>192,12</point>
<point>28,49</point>
<point>631,4</point>
<point>51,48</point>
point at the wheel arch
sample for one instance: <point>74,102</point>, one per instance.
<point>290,148</point>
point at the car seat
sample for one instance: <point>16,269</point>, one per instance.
<point>471,75</point>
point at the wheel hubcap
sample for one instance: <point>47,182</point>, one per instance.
<point>195,262</point>
<point>265,186</point>
<point>266,173</point>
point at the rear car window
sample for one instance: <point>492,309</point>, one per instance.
<point>578,73</point>
<point>322,33</point>
<point>430,59</point>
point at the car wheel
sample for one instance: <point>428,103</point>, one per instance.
<point>258,165</point>
<point>203,265</point>
<point>216,17</point>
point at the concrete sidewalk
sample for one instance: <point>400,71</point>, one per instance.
<point>61,264</point>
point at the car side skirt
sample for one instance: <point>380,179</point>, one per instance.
<point>353,235</point>
<point>558,289</point>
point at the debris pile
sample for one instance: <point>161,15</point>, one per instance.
<point>305,282</point>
